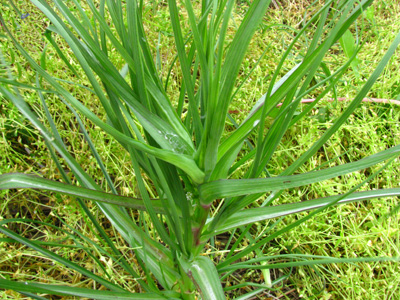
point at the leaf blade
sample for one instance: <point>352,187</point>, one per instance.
<point>252,215</point>
<point>239,187</point>
<point>19,180</point>
<point>74,291</point>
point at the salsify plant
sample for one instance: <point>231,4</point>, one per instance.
<point>180,149</point>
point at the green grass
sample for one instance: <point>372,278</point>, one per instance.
<point>352,230</point>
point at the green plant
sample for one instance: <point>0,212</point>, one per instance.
<point>349,45</point>
<point>181,151</point>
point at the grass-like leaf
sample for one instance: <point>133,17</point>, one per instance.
<point>238,187</point>
<point>253,215</point>
<point>18,180</point>
<point>41,288</point>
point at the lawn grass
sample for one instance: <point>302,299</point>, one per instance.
<point>353,230</point>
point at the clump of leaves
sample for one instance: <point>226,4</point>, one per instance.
<point>182,146</point>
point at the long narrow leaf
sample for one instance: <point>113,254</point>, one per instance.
<point>238,187</point>
<point>329,260</point>
<point>19,180</point>
<point>182,161</point>
<point>253,215</point>
<point>41,288</point>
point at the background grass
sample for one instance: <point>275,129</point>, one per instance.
<point>353,230</point>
